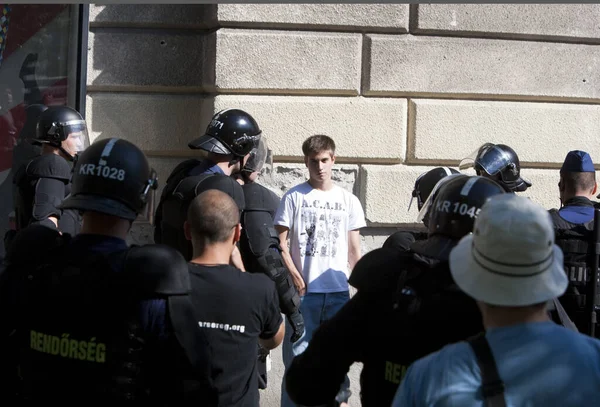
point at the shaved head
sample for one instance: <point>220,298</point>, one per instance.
<point>212,215</point>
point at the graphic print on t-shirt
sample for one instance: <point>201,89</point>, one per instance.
<point>321,223</point>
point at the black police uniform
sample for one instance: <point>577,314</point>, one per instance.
<point>91,320</point>
<point>261,253</point>
<point>43,183</point>
<point>230,132</point>
<point>574,234</point>
<point>406,307</point>
<point>575,240</point>
<point>41,186</point>
<point>171,213</point>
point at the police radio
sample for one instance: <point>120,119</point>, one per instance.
<point>595,277</point>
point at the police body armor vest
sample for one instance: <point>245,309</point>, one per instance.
<point>421,310</point>
<point>80,333</point>
<point>171,212</point>
<point>258,232</point>
<point>25,180</point>
<point>73,349</point>
<point>575,242</point>
<point>259,244</point>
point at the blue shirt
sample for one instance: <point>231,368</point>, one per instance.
<point>577,214</point>
<point>578,210</point>
<point>206,167</point>
<point>152,312</point>
<point>541,364</point>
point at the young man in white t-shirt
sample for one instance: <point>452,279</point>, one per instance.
<point>322,222</point>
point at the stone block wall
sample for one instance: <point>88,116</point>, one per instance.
<point>401,88</point>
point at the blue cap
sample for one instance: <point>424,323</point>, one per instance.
<point>578,161</point>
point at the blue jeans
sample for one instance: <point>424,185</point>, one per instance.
<point>315,308</point>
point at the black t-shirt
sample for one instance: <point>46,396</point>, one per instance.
<point>234,309</point>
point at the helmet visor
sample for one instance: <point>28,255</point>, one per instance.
<point>258,156</point>
<point>429,202</point>
<point>489,157</point>
<point>76,135</point>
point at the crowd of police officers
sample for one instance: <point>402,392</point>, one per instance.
<point>87,318</point>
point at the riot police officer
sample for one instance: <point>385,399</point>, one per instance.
<point>259,244</point>
<point>407,306</point>
<point>44,182</point>
<point>228,140</point>
<point>498,162</point>
<point>424,184</point>
<point>88,319</point>
<point>573,225</point>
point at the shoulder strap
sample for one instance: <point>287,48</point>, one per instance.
<point>563,316</point>
<point>555,215</point>
<point>492,385</point>
<point>179,173</point>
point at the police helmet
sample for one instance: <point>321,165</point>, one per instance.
<point>426,182</point>
<point>455,203</point>
<point>231,131</point>
<point>499,162</point>
<point>57,123</point>
<point>452,207</point>
<point>113,177</point>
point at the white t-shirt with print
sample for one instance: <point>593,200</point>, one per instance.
<point>318,223</point>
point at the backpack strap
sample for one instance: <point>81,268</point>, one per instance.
<point>492,385</point>
<point>563,316</point>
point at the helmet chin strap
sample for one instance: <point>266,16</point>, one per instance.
<point>236,160</point>
<point>70,157</point>
<point>62,150</point>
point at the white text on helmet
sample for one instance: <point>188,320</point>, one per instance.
<point>216,123</point>
<point>102,171</point>
<point>457,207</point>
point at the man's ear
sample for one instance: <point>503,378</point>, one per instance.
<point>187,230</point>
<point>561,186</point>
<point>237,233</point>
<point>595,188</point>
<point>306,161</point>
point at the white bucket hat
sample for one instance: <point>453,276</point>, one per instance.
<point>510,259</point>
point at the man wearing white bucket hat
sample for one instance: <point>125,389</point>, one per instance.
<point>511,267</point>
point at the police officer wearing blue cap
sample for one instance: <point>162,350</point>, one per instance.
<point>577,187</point>
<point>573,225</point>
